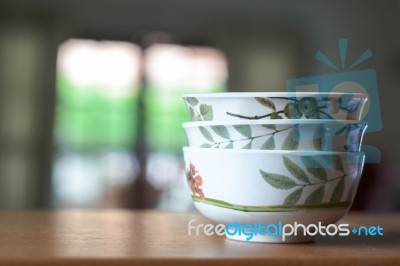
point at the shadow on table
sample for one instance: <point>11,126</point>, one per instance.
<point>354,240</point>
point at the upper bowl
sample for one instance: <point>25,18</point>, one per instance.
<point>275,105</point>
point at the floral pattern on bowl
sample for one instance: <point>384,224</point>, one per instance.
<point>254,106</point>
<point>275,181</point>
<point>267,135</point>
<point>194,181</point>
<point>312,174</point>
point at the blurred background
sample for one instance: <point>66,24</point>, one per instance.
<point>90,91</point>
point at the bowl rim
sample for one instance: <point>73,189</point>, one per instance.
<point>269,94</point>
<point>193,124</point>
<point>270,152</point>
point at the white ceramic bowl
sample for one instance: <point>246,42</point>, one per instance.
<point>312,134</point>
<point>249,186</point>
<point>275,105</point>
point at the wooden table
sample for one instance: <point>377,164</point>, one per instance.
<point>118,237</point>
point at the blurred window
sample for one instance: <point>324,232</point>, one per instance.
<point>98,117</point>
<point>95,122</point>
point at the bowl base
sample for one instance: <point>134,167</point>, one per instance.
<point>272,239</point>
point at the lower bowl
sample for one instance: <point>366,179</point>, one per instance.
<point>239,188</point>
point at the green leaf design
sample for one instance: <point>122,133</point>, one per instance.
<point>206,112</point>
<point>205,145</point>
<point>192,101</point>
<point>334,161</point>
<point>272,127</point>
<point>247,146</point>
<point>278,181</point>
<point>269,144</point>
<point>275,115</point>
<point>245,130</point>
<point>348,129</point>
<point>193,115</point>
<point>221,131</point>
<point>293,197</point>
<point>291,141</point>
<point>206,134</point>
<point>266,102</point>
<point>316,196</point>
<point>338,191</point>
<point>337,163</point>
<point>317,138</point>
<point>342,130</point>
<point>229,145</point>
<point>314,167</point>
<point>295,170</point>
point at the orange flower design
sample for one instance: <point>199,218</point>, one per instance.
<point>194,180</point>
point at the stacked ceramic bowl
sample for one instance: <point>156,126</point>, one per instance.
<point>274,158</point>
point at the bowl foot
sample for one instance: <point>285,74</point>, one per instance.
<point>272,239</point>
